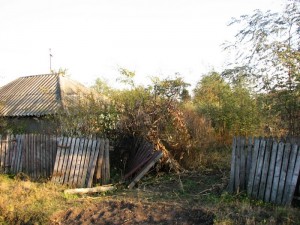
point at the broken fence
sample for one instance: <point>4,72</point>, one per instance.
<point>267,169</point>
<point>78,162</point>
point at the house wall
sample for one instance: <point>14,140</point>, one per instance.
<point>32,124</point>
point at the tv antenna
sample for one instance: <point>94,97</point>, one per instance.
<point>50,57</point>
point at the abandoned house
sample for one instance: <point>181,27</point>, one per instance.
<point>29,103</point>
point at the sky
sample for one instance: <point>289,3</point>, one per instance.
<point>94,38</point>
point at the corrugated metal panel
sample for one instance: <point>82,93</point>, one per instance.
<point>35,95</point>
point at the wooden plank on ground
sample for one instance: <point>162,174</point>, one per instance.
<point>90,190</point>
<point>277,172</point>
<point>253,166</point>
<point>92,166</point>
<point>270,177</point>
<point>283,172</point>
<point>265,169</point>
<point>232,170</point>
<point>289,175</point>
<point>295,178</point>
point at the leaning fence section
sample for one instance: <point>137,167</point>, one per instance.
<point>80,161</point>
<point>266,169</point>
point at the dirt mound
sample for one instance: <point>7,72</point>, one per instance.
<point>121,212</point>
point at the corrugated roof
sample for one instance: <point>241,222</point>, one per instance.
<point>37,95</point>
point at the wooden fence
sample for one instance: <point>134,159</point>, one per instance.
<point>266,169</point>
<point>73,161</point>
<point>33,154</point>
<point>79,161</point>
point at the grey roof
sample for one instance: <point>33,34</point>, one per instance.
<point>37,95</point>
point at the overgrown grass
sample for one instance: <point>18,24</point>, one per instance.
<point>239,209</point>
<point>25,202</point>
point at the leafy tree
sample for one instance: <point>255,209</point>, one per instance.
<point>231,109</point>
<point>268,48</point>
<point>101,86</point>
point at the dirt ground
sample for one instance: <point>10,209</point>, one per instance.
<point>174,199</point>
<point>121,212</point>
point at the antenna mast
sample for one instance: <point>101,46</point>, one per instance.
<point>50,57</point>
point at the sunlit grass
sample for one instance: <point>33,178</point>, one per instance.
<point>26,202</point>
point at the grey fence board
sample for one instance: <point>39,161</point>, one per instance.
<point>258,170</point>
<point>277,172</point>
<point>271,172</point>
<point>232,172</point>
<point>290,171</point>
<point>268,170</point>
<point>253,166</point>
<point>265,169</point>
<point>285,162</point>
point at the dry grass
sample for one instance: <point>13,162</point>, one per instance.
<point>25,202</point>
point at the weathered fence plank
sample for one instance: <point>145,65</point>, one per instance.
<point>253,166</point>
<point>87,157</point>
<point>258,170</point>
<point>248,160</point>
<point>265,168</point>
<point>91,168</point>
<point>242,164</point>
<point>271,172</point>
<point>70,159</point>
<point>289,175</point>
<point>285,162</point>
<point>277,172</point>
<point>295,178</point>
<point>232,171</point>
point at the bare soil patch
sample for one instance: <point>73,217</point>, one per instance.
<point>123,212</point>
<point>166,199</point>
